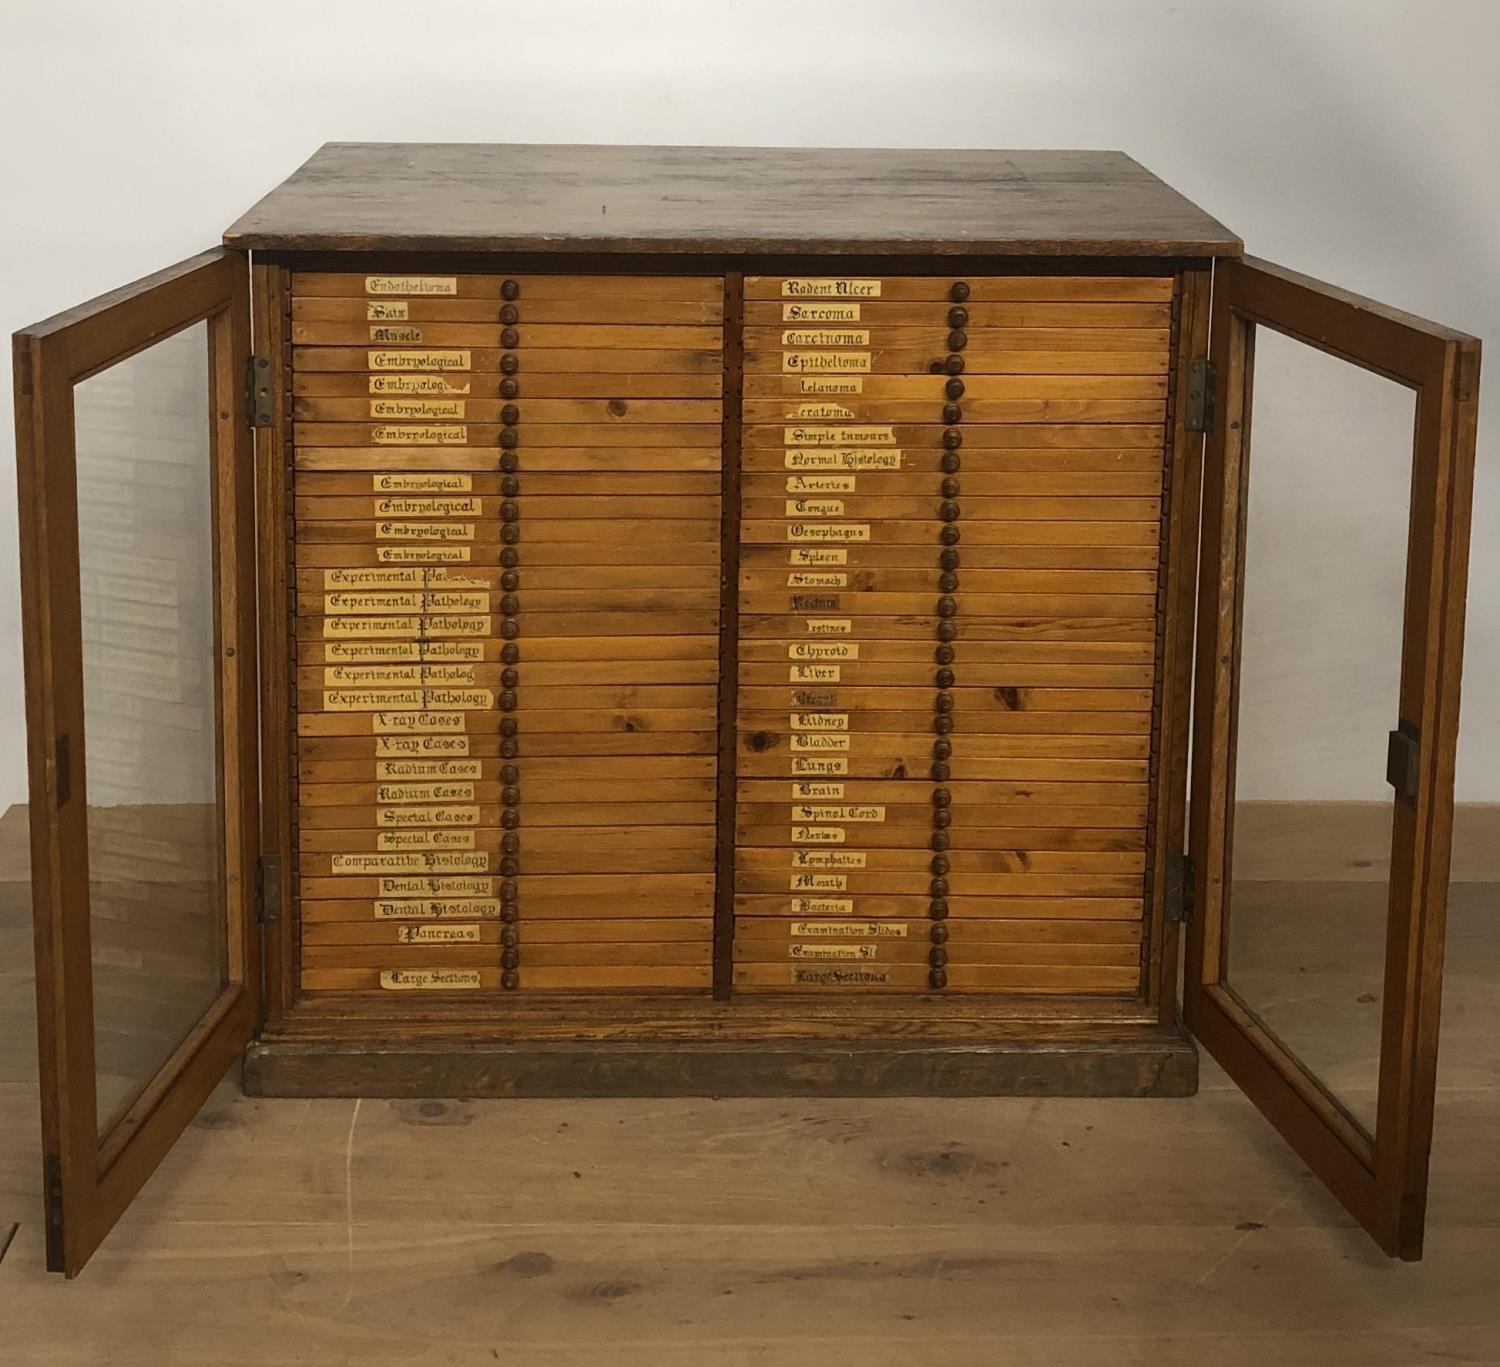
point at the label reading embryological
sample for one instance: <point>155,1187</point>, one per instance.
<point>417,384</point>
<point>419,360</point>
<point>418,408</point>
<point>435,482</point>
<point>418,434</point>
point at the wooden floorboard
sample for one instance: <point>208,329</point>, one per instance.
<point>848,1233</point>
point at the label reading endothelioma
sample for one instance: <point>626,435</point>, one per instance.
<point>411,284</point>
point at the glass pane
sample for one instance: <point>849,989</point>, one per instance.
<point>1325,569</point>
<point>146,571</point>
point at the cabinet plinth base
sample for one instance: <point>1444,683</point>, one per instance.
<point>1146,1062</point>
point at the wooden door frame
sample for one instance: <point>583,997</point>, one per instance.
<point>89,1182</point>
<point>1382,1182</point>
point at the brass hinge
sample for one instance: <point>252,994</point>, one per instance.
<point>1403,762</point>
<point>258,391</point>
<point>267,889</point>
<point>1179,891</point>
<point>1198,412</point>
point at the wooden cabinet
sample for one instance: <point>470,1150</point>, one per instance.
<point>584,621</point>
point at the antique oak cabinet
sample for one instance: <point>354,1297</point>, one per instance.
<point>523,621</point>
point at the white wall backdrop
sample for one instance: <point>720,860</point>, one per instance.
<point>1351,139</point>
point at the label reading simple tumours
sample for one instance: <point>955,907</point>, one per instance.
<point>387,310</point>
<point>839,436</point>
<point>828,531</point>
<point>832,288</point>
<point>820,313</point>
<point>419,360</point>
<point>418,434</point>
<point>841,458</point>
<point>429,979</point>
<point>416,384</point>
<point>418,408</point>
<point>825,362</point>
<point>821,337</point>
<point>424,531</point>
<point>411,284</point>
<point>435,482</point>
<point>437,935</point>
<point>867,930</point>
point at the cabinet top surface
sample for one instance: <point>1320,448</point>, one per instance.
<point>707,201</point>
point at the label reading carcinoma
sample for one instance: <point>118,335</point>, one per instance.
<point>830,289</point>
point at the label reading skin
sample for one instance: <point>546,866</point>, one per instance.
<point>817,579</point>
<point>822,906</point>
<point>820,484</point>
<point>417,408</point>
<point>411,284</point>
<point>412,862</point>
<point>867,930</point>
<point>428,768</point>
<point>820,882</point>
<point>818,835</point>
<point>396,332</point>
<point>416,746</point>
<point>819,555</point>
<point>424,792</point>
<point>419,360</point>
<point>423,555</point>
<point>797,951</point>
<point>817,792</point>
<point>830,626</point>
<point>838,436</point>
<point>833,288</point>
<point>825,362</point>
<point>418,434</point>
<point>408,482</point>
<point>816,337</point>
<point>443,888</point>
<point>828,531</point>
<point>417,384</point>
<point>424,531</point>
<point>841,458</point>
<point>828,859</point>
<point>426,816</point>
<point>395,723</point>
<point>392,311</point>
<point>822,384</point>
<point>859,812</point>
<point>425,840</point>
<point>812,741</point>
<point>813,507</point>
<point>437,935</point>
<point>428,979</point>
<point>820,313</point>
<point>814,674</point>
<point>818,764</point>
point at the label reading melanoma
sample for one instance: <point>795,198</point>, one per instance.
<point>825,362</point>
<point>841,458</point>
<point>411,284</point>
<point>828,531</point>
<point>416,384</point>
<point>437,482</point>
<point>418,408</point>
<point>418,434</point>
<point>830,289</point>
<point>820,313</point>
<point>419,360</point>
<point>428,979</point>
<point>823,384</point>
<point>437,935</point>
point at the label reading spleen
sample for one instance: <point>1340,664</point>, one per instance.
<point>413,284</point>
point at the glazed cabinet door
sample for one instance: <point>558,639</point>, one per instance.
<point>1330,641</point>
<point>137,552</point>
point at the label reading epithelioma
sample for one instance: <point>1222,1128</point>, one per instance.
<point>418,434</point>
<point>418,408</point>
<point>825,362</point>
<point>428,979</point>
<point>419,360</point>
<point>411,284</point>
<point>438,482</point>
<point>416,384</point>
<point>830,289</point>
<point>820,313</point>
